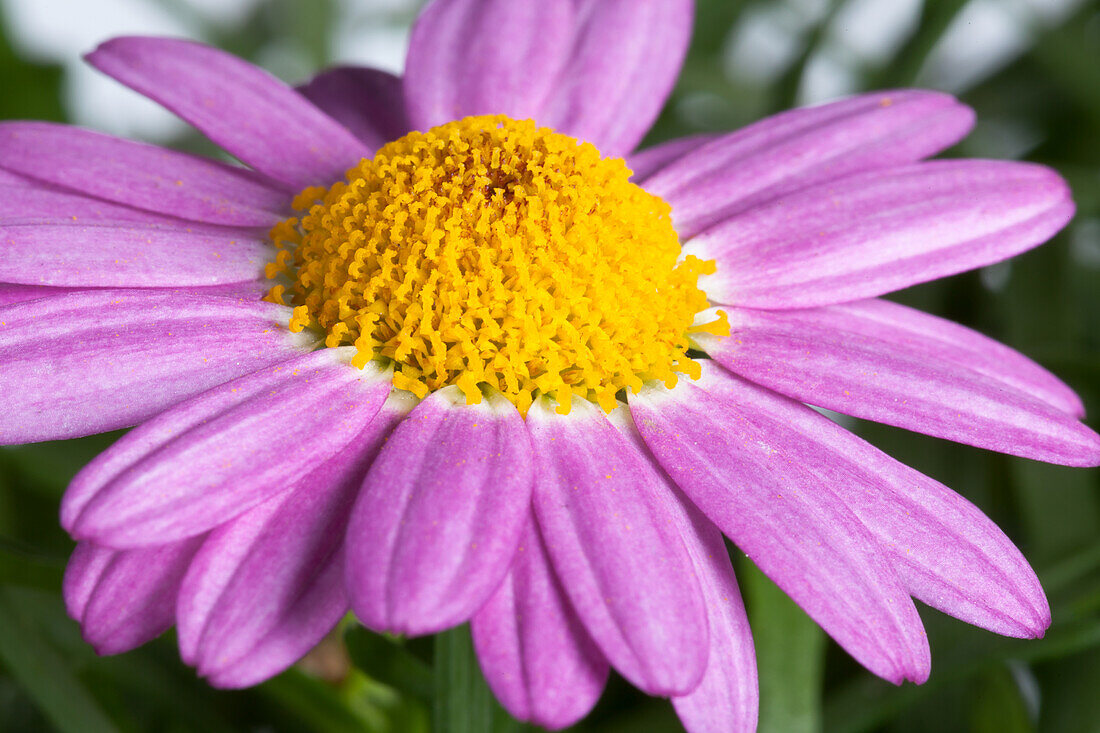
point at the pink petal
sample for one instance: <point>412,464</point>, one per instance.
<point>795,149</point>
<point>11,294</point>
<point>845,359</point>
<point>369,102</point>
<point>950,341</point>
<point>215,456</point>
<point>216,603</point>
<point>123,599</point>
<point>249,290</point>
<point>945,551</point>
<point>85,568</point>
<point>727,699</point>
<point>792,525</point>
<point>625,61</point>
<point>89,361</point>
<point>268,585</point>
<point>877,232</point>
<point>440,515</point>
<point>44,205</point>
<point>477,57</point>
<point>139,175</point>
<point>648,162</point>
<point>245,110</point>
<point>536,655</point>
<point>616,549</point>
<point>123,254</point>
<point>7,178</point>
<point>728,696</point>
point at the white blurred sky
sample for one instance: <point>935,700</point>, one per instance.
<point>987,35</point>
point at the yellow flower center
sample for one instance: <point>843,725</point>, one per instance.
<point>492,252</point>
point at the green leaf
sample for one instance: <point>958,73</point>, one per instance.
<point>999,706</point>
<point>935,19</point>
<point>1060,507</point>
<point>785,89</point>
<point>31,91</point>
<point>965,657</point>
<point>27,570</point>
<point>789,655</point>
<point>1069,693</point>
<point>314,702</point>
<point>713,21</point>
<point>389,662</point>
<point>149,689</point>
<point>44,674</point>
<point>48,467</point>
<point>464,703</point>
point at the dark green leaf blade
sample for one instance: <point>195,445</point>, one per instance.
<point>789,656</point>
<point>44,674</point>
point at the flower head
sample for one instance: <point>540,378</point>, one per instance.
<point>489,253</point>
<point>438,355</point>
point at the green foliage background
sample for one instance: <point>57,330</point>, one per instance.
<point>1048,305</point>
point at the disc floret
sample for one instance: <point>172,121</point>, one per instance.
<point>489,252</point>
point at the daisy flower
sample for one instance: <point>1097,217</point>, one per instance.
<point>446,349</point>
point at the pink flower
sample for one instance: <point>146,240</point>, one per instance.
<point>516,283</point>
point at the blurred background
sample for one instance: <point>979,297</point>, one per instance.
<point>1031,68</point>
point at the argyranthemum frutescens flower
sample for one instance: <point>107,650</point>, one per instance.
<point>501,376</point>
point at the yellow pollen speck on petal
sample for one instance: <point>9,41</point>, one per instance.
<point>490,252</point>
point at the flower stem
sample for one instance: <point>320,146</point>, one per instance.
<point>463,701</point>
<point>790,656</point>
